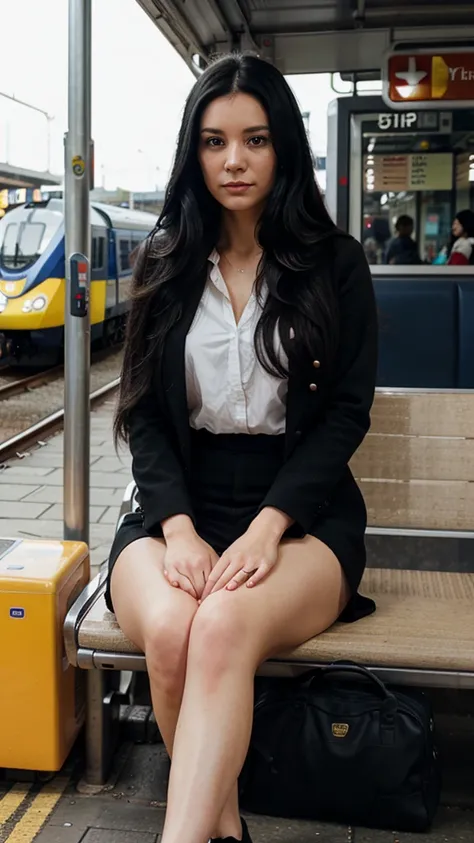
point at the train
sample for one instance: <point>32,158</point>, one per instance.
<point>32,277</point>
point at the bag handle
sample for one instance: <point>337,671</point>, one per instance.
<point>352,667</point>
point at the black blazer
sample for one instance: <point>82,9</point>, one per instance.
<point>324,426</point>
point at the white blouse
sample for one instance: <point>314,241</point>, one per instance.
<point>228,390</point>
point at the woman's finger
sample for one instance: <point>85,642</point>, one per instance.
<point>200,579</point>
<point>178,580</point>
<point>207,569</point>
<point>196,579</point>
<point>230,571</point>
<point>214,576</point>
<point>262,571</point>
<point>239,579</point>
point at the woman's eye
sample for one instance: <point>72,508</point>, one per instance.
<point>258,140</point>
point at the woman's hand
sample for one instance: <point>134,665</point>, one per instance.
<point>251,558</point>
<point>188,559</point>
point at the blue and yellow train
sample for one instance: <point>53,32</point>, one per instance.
<point>32,276</point>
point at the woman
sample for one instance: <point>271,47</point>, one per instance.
<point>462,244</point>
<point>247,381</point>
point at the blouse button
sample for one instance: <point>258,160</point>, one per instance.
<point>313,387</point>
<point>316,364</point>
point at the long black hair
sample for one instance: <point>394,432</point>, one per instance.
<point>292,232</point>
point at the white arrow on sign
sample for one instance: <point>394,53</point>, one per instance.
<point>412,77</point>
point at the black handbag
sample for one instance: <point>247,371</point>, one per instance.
<point>338,745</point>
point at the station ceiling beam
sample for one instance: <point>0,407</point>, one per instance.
<point>307,36</point>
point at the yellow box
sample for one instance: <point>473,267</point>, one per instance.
<point>42,698</point>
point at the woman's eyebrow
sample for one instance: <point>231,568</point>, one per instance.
<point>261,128</point>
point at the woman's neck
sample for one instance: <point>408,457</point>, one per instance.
<point>238,234</point>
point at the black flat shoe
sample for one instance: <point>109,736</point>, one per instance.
<point>245,836</point>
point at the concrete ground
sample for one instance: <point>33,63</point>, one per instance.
<point>31,488</point>
<point>131,807</point>
<point>131,810</point>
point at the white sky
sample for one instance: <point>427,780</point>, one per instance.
<point>139,85</point>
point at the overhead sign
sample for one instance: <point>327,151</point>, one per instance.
<point>432,79</point>
<point>409,122</point>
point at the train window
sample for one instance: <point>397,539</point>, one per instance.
<point>21,245</point>
<point>416,177</point>
<point>25,234</point>
<point>98,252</point>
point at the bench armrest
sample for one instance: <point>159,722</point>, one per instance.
<point>78,610</point>
<point>129,500</point>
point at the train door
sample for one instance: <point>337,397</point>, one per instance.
<point>396,181</point>
<point>125,245</point>
<point>99,279</point>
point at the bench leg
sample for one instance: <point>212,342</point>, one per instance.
<point>106,692</point>
<point>101,727</point>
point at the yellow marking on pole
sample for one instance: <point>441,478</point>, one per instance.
<point>38,812</point>
<point>12,800</point>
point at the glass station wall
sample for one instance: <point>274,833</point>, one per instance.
<point>420,166</point>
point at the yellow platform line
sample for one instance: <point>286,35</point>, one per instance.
<point>38,812</point>
<point>12,800</point>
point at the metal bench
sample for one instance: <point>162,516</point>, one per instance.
<point>416,469</point>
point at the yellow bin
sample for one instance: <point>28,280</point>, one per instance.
<point>42,699</point>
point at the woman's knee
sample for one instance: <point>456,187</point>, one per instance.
<point>219,635</point>
<point>166,638</point>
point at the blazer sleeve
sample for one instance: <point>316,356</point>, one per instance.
<point>156,469</point>
<point>303,486</point>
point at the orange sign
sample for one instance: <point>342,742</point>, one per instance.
<point>446,78</point>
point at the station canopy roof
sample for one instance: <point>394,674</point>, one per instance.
<point>18,177</point>
<point>309,36</point>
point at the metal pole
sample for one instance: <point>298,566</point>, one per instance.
<point>45,114</point>
<point>77,319</point>
<point>48,142</point>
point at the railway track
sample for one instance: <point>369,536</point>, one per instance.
<point>16,387</point>
<point>30,382</point>
<point>45,428</point>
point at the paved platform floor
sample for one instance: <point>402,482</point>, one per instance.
<point>31,488</point>
<point>131,810</point>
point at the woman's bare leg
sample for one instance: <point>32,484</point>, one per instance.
<point>158,618</point>
<point>231,634</point>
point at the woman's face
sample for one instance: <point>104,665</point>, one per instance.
<point>236,153</point>
<point>457,228</point>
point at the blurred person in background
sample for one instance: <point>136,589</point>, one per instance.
<point>403,249</point>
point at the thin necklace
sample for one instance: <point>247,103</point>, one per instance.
<point>242,271</point>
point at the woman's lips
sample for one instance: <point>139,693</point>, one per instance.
<point>237,187</point>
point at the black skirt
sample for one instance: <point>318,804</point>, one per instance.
<point>231,474</point>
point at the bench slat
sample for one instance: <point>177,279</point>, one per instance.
<point>423,413</point>
<point>425,620</point>
<point>436,505</point>
<point>414,458</point>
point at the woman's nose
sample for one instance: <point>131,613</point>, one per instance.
<point>235,158</point>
